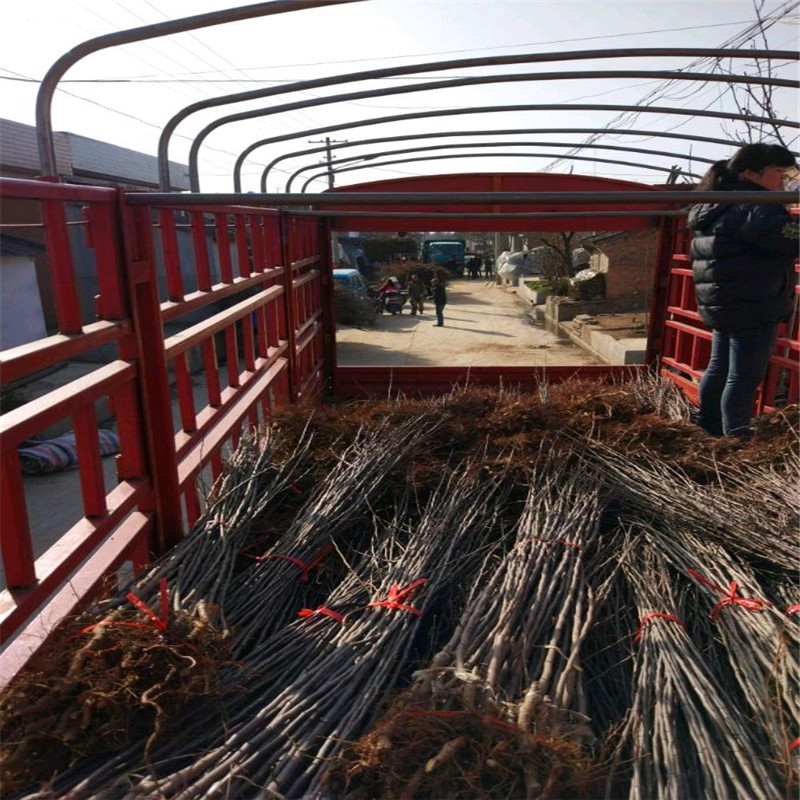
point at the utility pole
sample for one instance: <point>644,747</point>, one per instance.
<point>328,156</point>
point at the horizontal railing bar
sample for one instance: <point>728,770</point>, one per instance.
<point>182,341</point>
<point>24,359</point>
<point>23,422</point>
<point>653,197</point>
<point>191,302</point>
<point>489,215</point>
<point>48,190</point>
<point>72,593</point>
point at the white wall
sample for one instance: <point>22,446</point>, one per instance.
<point>21,317</point>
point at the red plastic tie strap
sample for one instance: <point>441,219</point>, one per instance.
<point>159,623</point>
<point>654,615</point>
<point>396,594</point>
<point>794,745</point>
<point>304,568</point>
<point>792,610</point>
<point>730,596</point>
<point>324,610</point>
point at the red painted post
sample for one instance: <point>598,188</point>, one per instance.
<point>89,466</point>
<point>200,246</point>
<point>59,253</point>
<point>242,251</point>
<point>287,228</point>
<point>15,534</point>
<point>327,301</point>
<point>223,248</point>
<point>103,235</point>
<point>169,249</point>
<point>152,364</point>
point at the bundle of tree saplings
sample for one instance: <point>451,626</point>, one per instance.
<point>264,596</point>
<point>683,734</point>
<point>750,509</point>
<point>124,669</point>
<point>465,630</point>
<point>754,644</point>
<point>501,710</point>
<point>315,683</point>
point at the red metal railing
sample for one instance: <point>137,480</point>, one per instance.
<point>231,294</point>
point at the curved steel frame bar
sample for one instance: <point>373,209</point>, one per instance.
<point>371,156</point>
<point>450,112</point>
<point>478,80</point>
<point>501,132</point>
<point>437,66</point>
<point>496,155</point>
<point>49,84</point>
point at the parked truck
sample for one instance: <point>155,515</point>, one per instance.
<point>448,253</point>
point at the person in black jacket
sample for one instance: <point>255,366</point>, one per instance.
<point>439,300</point>
<point>743,268</point>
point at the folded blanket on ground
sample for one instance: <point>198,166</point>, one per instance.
<point>51,455</point>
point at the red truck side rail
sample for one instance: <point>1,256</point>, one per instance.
<point>249,297</point>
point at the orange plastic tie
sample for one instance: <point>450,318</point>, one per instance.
<point>730,596</point>
<point>654,615</point>
<point>396,594</point>
<point>324,610</point>
<point>304,568</point>
<point>158,623</point>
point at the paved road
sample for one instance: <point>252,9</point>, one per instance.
<point>485,325</point>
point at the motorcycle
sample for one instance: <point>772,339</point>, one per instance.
<point>392,302</point>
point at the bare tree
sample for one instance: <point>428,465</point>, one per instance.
<point>758,99</point>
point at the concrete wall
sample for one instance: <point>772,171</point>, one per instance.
<point>21,316</point>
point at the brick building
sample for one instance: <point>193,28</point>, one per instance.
<point>628,259</point>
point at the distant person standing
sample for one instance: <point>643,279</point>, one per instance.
<point>416,294</point>
<point>439,294</point>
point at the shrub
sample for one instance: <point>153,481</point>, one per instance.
<point>352,309</point>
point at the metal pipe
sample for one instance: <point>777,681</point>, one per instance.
<point>696,112</point>
<point>499,155</point>
<point>44,99</point>
<point>501,132</point>
<point>478,80</point>
<point>678,212</point>
<point>437,66</point>
<point>371,156</point>
<point>327,199</point>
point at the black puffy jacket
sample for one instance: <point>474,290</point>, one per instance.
<point>743,262</point>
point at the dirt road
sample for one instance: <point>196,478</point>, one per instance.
<point>484,325</point>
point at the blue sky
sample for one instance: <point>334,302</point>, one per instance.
<point>153,80</point>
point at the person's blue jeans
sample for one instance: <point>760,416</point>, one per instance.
<point>729,385</point>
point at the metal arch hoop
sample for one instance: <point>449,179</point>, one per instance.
<point>438,66</point>
<point>495,155</point>
<point>697,112</point>
<point>371,156</point>
<point>461,82</point>
<point>499,132</point>
<point>49,84</point>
